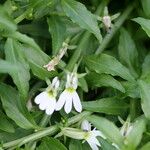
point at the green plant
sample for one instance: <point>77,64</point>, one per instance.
<point>96,53</point>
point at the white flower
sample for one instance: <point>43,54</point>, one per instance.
<point>85,134</point>
<point>69,96</point>
<point>47,99</point>
<point>91,135</point>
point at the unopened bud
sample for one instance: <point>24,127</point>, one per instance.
<point>107,22</point>
<point>74,133</point>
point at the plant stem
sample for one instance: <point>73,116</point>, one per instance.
<point>115,28</point>
<point>47,131</point>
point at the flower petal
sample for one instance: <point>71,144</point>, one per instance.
<point>93,146</point>
<point>40,97</point>
<point>50,109</point>
<point>55,83</point>
<point>61,100</point>
<point>77,102</point>
<point>93,139</point>
<point>68,104</point>
<point>98,133</point>
<point>86,126</point>
<point>42,106</point>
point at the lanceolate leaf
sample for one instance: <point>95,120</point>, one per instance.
<point>146,146</point>
<point>111,132</point>
<point>145,67</point>
<point>109,65</point>
<point>21,76</point>
<point>145,97</point>
<point>6,22</point>
<point>145,24</point>
<point>97,80</point>
<point>127,51</point>
<point>5,125</point>
<point>7,67</point>
<point>51,143</point>
<point>146,7</point>
<point>78,145</point>
<point>14,109</point>
<point>36,60</point>
<point>57,29</point>
<point>80,15</point>
<point>106,105</point>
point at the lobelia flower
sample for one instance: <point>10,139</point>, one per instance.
<point>91,135</point>
<point>69,96</point>
<point>85,134</point>
<point>47,99</point>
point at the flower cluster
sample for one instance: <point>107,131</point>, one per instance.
<point>68,98</point>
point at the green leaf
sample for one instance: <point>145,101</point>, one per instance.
<point>41,7</point>
<point>14,108</point>
<point>131,88</point>
<point>19,133</point>
<point>83,84</point>
<point>57,29</point>
<point>37,59</point>
<point>146,7</point>
<point>22,76</point>
<point>109,65</point>
<point>80,15</point>
<point>5,125</point>
<point>145,24</point>
<point>111,132</point>
<point>145,97</point>
<point>78,145</point>
<point>6,22</point>
<point>134,137</point>
<point>34,55</point>
<point>145,67</point>
<point>111,106</point>
<point>24,39</point>
<point>105,145</point>
<point>7,67</point>
<point>127,51</point>
<point>146,146</point>
<point>51,143</point>
<point>98,80</point>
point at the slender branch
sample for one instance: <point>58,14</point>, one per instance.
<point>115,28</point>
<point>47,131</point>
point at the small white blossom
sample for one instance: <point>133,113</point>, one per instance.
<point>47,99</point>
<point>107,22</point>
<point>91,135</point>
<point>69,96</point>
<point>85,134</point>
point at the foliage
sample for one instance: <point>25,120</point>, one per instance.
<point>109,60</point>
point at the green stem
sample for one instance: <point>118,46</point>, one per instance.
<point>115,28</point>
<point>132,108</point>
<point>22,16</point>
<point>47,131</point>
<point>76,55</point>
<point>44,120</point>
